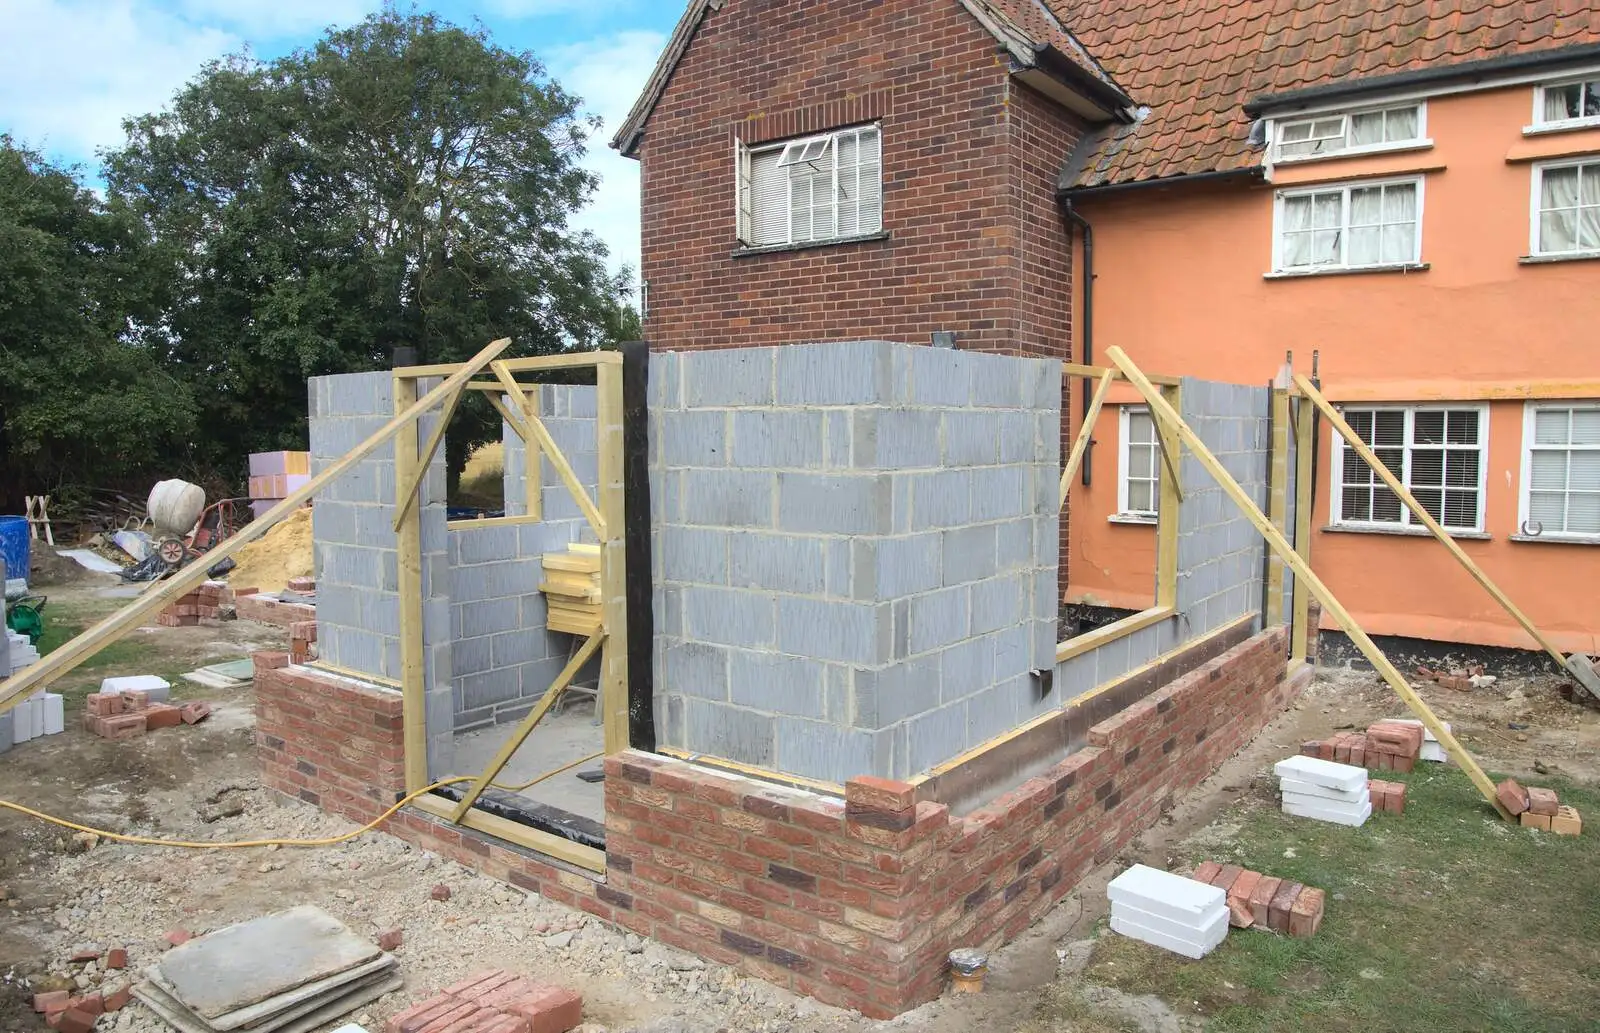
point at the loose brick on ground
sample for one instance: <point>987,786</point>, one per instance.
<point>117,958</point>
<point>1543,801</point>
<point>194,713</point>
<point>163,715</point>
<point>54,1000</point>
<point>391,939</point>
<point>1534,821</point>
<point>1512,796</point>
<point>1282,903</point>
<point>1261,899</point>
<point>74,1020</point>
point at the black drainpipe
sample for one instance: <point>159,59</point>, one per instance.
<point>1088,319</point>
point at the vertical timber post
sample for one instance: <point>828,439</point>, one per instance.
<point>1305,427</point>
<point>1278,498</point>
<point>409,583</point>
<point>614,555</point>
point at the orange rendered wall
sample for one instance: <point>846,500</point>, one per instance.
<point>1179,285</point>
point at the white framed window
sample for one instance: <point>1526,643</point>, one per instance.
<point>1139,464</point>
<point>1566,208</point>
<point>1575,103</point>
<point>817,188</point>
<point>1348,226</point>
<point>1438,452</point>
<point>1350,132</point>
<point>1561,470</point>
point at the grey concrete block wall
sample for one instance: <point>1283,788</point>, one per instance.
<point>1220,553</point>
<point>568,412</point>
<point>356,550</point>
<point>855,551</point>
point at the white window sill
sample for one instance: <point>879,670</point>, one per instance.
<point>1556,539</point>
<point>1570,256</point>
<point>1297,274</point>
<point>1404,532</point>
<point>746,251</point>
<point>1400,147</point>
<point>1146,519</point>
<point>1569,126</point>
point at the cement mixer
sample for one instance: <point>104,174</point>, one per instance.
<point>185,525</point>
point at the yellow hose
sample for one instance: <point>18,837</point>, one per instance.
<point>118,837</point>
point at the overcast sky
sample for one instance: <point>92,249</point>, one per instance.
<point>71,70</point>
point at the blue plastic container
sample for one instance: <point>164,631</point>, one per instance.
<point>15,546</point>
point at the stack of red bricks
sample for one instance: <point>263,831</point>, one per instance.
<point>1387,746</point>
<point>302,636</point>
<point>493,1002</point>
<point>206,601</point>
<point>1387,796</point>
<point>130,713</point>
<point>1539,808</point>
<point>303,585</point>
<point>1265,901</point>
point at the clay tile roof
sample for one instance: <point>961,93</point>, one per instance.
<point>1195,64</point>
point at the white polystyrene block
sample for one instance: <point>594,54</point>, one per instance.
<point>37,710</point>
<point>1322,772</point>
<point>1203,930</point>
<point>1162,893</point>
<point>1332,795</point>
<point>55,714</point>
<point>1188,947</point>
<point>1433,751</point>
<point>1309,807</point>
<point>22,722</point>
<point>159,688</point>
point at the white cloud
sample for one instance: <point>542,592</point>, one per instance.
<point>71,70</point>
<point>609,74</point>
<point>275,19</point>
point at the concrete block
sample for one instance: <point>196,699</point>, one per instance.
<point>996,710</point>
<point>935,737</point>
<point>838,373</point>
<point>971,437</point>
<point>730,617</point>
<point>491,544</point>
<point>1014,546</point>
<point>1112,660</point>
<point>665,373</point>
<point>693,554</point>
<point>696,669</point>
<point>1075,677</point>
<point>1000,602</point>
<point>334,523</point>
<point>1017,441</point>
<point>538,676</point>
<point>837,567</point>
<point>732,378</point>
<point>813,749</point>
<point>885,697</point>
<point>1042,385</point>
<point>940,377</point>
<point>472,656</point>
<point>489,689</point>
<point>782,563</point>
<point>968,554</point>
<point>1013,653</point>
<point>999,493</point>
<point>774,439</point>
<point>966,669</point>
<point>891,568</point>
<point>727,498</point>
<point>778,684</point>
<point>696,438</point>
<point>729,732</point>
<point>937,619</point>
<point>895,439</point>
<point>1047,432</point>
<point>838,435</point>
<point>516,647</point>
<point>938,500</point>
<point>834,503</point>
<point>996,380</point>
<point>846,632</point>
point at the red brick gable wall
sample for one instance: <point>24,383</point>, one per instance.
<point>975,242</point>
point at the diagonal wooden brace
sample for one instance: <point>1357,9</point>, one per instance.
<point>536,432</point>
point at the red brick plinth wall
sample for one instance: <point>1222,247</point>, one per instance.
<point>855,902</point>
<point>858,902</point>
<point>338,744</point>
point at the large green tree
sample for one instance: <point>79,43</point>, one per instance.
<point>403,184</point>
<point>85,398</point>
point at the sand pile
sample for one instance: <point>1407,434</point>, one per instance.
<point>284,552</point>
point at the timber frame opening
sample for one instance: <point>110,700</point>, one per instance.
<point>606,516</point>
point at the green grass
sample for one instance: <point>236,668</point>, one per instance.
<point>126,656</point>
<point>1450,919</point>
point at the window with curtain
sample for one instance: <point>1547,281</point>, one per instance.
<point>1567,197</point>
<point>1139,488</point>
<point>818,188</point>
<point>1437,453</point>
<point>1327,135</point>
<point>1561,470</point>
<point>1349,227</point>
<point>1567,102</point>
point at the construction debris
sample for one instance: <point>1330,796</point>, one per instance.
<point>1185,916</point>
<point>1326,791</point>
<point>493,1002</point>
<point>123,713</point>
<point>1265,902</point>
<point>1395,744</point>
<point>1539,808</point>
<point>291,972</point>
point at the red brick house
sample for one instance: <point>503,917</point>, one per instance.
<point>1051,177</point>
